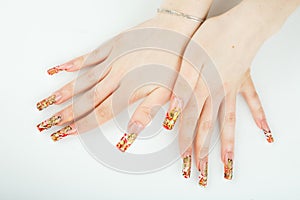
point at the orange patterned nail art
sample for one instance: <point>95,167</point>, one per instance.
<point>269,136</point>
<point>126,141</point>
<point>203,175</point>
<point>186,168</point>
<point>171,118</point>
<point>228,169</point>
<point>54,70</point>
<point>62,133</point>
<point>46,102</point>
<point>49,123</point>
<point>173,113</point>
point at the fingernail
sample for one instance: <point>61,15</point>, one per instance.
<point>203,173</point>
<point>126,141</point>
<point>267,131</point>
<point>52,121</point>
<point>58,68</point>
<point>64,132</point>
<point>228,166</point>
<point>186,168</point>
<point>48,101</point>
<point>54,70</point>
<point>173,114</point>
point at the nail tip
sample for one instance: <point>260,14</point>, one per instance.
<point>171,118</point>
<point>203,185</point>
<point>49,123</point>
<point>40,129</point>
<point>228,178</point>
<point>126,141</point>
<point>120,148</point>
<point>53,70</point>
<point>46,102</point>
<point>167,128</point>
<point>186,176</point>
<point>228,169</point>
<point>186,168</point>
<point>62,133</point>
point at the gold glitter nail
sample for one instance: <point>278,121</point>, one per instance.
<point>171,118</point>
<point>228,169</point>
<point>46,102</point>
<point>203,175</point>
<point>62,133</point>
<point>186,168</point>
<point>126,141</point>
<point>269,136</point>
<point>52,121</point>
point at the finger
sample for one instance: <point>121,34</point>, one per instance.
<point>188,125</point>
<point>67,115</point>
<point>93,58</point>
<point>88,101</point>
<point>227,119</point>
<point>249,93</point>
<point>202,141</point>
<point>143,115</point>
<point>78,85</point>
<point>183,90</point>
<point>101,114</point>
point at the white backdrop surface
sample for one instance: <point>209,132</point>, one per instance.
<point>38,34</point>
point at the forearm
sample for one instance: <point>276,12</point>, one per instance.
<point>265,16</point>
<point>198,8</point>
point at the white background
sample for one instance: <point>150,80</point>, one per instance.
<point>35,35</point>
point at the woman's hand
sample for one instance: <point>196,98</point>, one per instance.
<point>198,98</point>
<point>111,62</point>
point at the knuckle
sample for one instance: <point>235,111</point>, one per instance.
<point>228,142</point>
<point>206,125</point>
<point>253,95</point>
<point>230,117</point>
<point>260,110</point>
<point>203,150</point>
<point>92,95</point>
<point>103,112</point>
<point>259,113</point>
<point>145,110</point>
<point>140,93</point>
<point>186,140</point>
<point>91,76</point>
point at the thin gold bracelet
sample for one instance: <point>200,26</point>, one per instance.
<point>180,14</point>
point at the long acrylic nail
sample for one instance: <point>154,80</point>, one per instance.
<point>203,172</point>
<point>54,70</point>
<point>126,141</point>
<point>267,131</point>
<point>58,68</point>
<point>173,114</point>
<point>228,166</point>
<point>48,101</point>
<point>52,121</point>
<point>186,168</point>
<point>64,132</point>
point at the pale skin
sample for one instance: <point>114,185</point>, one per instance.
<point>244,29</point>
